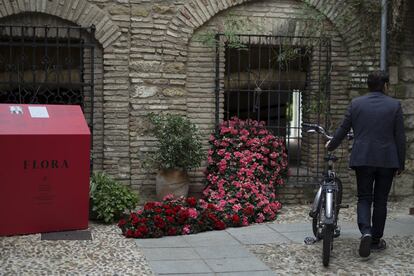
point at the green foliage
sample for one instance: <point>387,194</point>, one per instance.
<point>233,26</point>
<point>368,11</point>
<point>109,199</point>
<point>179,143</point>
<point>207,38</point>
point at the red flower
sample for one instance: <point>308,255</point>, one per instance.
<point>212,217</point>
<point>143,229</point>
<point>134,218</point>
<point>248,211</point>
<point>169,212</point>
<point>149,206</point>
<point>129,233</point>
<point>183,215</point>
<point>219,225</point>
<point>137,234</point>
<point>159,222</point>
<point>235,219</point>
<point>172,231</point>
<point>121,223</point>
<point>211,206</point>
<point>192,201</point>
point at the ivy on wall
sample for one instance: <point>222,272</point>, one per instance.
<point>231,27</point>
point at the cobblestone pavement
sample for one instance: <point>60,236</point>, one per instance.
<point>301,259</point>
<point>109,253</point>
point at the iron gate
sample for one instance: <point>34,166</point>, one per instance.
<point>48,65</point>
<point>283,81</point>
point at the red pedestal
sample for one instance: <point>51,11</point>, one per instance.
<point>44,168</point>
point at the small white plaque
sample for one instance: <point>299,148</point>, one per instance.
<point>38,112</point>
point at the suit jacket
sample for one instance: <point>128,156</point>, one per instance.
<point>379,136</point>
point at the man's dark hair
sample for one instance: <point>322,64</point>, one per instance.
<point>377,80</point>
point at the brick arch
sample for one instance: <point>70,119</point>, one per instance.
<point>195,13</point>
<point>80,12</point>
<point>200,83</point>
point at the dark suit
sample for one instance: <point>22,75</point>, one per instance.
<point>378,151</point>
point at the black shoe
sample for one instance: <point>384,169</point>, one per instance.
<point>379,246</point>
<point>365,245</point>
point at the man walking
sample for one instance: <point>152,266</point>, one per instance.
<point>378,153</point>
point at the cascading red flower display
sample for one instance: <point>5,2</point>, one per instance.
<point>245,165</point>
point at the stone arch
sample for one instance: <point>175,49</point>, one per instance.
<point>80,12</point>
<point>201,62</point>
<point>195,13</point>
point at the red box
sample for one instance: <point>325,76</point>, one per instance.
<point>44,168</point>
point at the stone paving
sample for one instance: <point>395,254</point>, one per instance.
<point>296,258</point>
<point>109,253</point>
<point>274,248</point>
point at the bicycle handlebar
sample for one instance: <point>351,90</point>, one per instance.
<point>316,128</point>
<point>319,129</point>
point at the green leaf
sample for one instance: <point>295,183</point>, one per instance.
<point>110,198</point>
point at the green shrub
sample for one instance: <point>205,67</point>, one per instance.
<point>179,143</point>
<point>109,199</point>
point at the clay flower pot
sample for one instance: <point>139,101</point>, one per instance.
<point>171,181</point>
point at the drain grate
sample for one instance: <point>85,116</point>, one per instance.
<point>78,235</point>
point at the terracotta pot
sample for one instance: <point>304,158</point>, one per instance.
<point>171,181</point>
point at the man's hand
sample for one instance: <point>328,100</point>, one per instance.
<point>327,144</point>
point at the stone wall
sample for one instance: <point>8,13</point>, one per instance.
<point>402,49</point>
<point>151,63</point>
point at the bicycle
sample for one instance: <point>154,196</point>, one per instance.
<point>327,201</point>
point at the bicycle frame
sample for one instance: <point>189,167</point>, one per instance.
<point>329,188</point>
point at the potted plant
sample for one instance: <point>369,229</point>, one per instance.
<point>179,150</point>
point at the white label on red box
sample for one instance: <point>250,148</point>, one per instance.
<point>38,112</point>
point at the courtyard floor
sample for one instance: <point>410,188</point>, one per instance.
<point>274,248</point>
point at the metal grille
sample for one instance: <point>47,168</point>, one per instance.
<point>280,80</point>
<point>47,65</point>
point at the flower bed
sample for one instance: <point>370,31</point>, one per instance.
<point>245,165</point>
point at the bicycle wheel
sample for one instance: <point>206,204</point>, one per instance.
<point>317,220</point>
<point>327,243</point>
